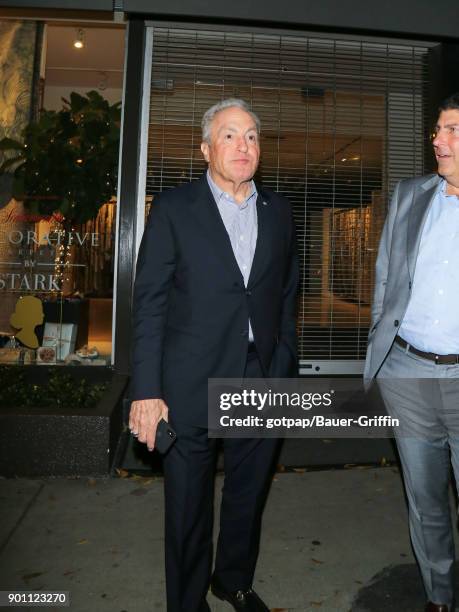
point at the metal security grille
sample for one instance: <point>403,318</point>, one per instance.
<point>342,121</point>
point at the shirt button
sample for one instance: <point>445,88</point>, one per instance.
<point>244,267</point>
<point>241,238</point>
<point>445,261</point>
<point>440,292</point>
<point>436,322</point>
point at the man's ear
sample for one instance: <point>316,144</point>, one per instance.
<point>205,150</point>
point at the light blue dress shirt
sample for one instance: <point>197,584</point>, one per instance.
<point>241,223</point>
<point>431,321</point>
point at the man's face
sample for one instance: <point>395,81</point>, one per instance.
<point>234,148</point>
<point>446,146</point>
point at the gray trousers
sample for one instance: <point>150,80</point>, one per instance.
<point>425,397</point>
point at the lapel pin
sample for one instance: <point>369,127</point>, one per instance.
<point>265,203</point>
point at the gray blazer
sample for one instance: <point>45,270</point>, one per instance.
<point>395,265</point>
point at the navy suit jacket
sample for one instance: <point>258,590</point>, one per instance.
<point>191,308</point>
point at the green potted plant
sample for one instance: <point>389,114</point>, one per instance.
<point>68,160</point>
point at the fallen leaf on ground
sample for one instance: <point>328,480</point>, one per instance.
<point>83,541</point>
<point>316,561</point>
<point>32,575</point>
<point>122,473</point>
<point>139,492</point>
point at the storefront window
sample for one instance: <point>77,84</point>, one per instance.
<point>59,161</point>
<point>342,121</point>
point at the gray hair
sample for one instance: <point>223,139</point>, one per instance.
<point>210,113</point>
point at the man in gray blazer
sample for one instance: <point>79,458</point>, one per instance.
<point>413,349</point>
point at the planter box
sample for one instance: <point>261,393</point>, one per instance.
<point>64,441</point>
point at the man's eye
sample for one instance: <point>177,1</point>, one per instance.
<point>228,136</point>
<point>252,138</point>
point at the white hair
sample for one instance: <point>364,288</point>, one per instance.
<point>210,113</point>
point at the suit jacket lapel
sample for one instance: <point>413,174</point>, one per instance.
<point>423,196</point>
<point>264,212</point>
<point>208,216</point>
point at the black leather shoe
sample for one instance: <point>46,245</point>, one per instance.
<point>241,600</point>
<point>431,607</point>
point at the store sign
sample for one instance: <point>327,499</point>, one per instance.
<point>28,237</point>
<point>36,253</point>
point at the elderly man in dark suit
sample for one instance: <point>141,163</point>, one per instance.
<point>413,349</point>
<point>215,297</point>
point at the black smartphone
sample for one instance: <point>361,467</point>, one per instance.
<point>165,437</point>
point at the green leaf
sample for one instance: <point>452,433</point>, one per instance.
<point>18,189</point>
<point>65,206</point>
<point>8,144</point>
<point>10,162</point>
<point>50,160</point>
<point>77,102</point>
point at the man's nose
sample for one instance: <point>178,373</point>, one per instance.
<point>242,144</point>
<point>440,136</point>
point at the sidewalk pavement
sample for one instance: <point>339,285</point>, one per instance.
<point>326,535</point>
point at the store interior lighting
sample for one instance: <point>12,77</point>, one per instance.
<point>78,43</point>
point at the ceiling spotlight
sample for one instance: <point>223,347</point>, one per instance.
<point>78,43</point>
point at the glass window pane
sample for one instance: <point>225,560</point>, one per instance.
<point>58,208</point>
<point>342,121</point>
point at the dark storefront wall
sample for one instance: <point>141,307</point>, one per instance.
<point>419,18</point>
<point>408,18</point>
<point>82,5</point>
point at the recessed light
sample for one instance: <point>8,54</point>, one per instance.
<point>78,43</point>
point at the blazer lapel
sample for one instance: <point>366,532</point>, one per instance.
<point>264,212</point>
<point>208,216</point>
<point>423,196</point>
